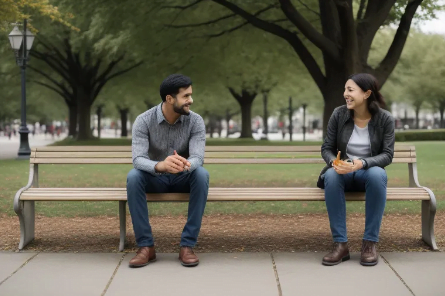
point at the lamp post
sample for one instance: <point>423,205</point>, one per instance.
<point>21,43</point>
<point>304,121</point>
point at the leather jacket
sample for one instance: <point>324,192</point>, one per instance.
<point>339,131</point>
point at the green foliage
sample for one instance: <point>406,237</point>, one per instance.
<point>417,78</point>
<point>421,135</point>
<point>427,10</point>
<point>12,11</point>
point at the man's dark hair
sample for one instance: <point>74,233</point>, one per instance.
<point>172,84</point>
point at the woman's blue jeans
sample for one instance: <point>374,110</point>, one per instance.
<point>373,181</point>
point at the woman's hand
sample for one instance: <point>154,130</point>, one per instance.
<point>343,168</point>
<point>346,167</point>
<point>358,164</point>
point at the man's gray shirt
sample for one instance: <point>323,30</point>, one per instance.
<point>154,139</point>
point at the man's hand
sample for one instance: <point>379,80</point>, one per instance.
<point>346,168</point>
<point>186,163</point>
<point>173,164</point>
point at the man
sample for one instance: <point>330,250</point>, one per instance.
<point>168,153</point>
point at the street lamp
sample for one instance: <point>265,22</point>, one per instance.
<point>21,43</point>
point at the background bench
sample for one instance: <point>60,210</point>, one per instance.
<point>25,198</point>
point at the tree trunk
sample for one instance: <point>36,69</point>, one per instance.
<point>246,119</point>
<point>417,117</point>
<point>124,119</point>
<point>228,117</point>
<point>331,101</point>
<point>442,124</point>
<point>219,127</point>
<point>266,115</point>
<point>72,129</point>
<point>84,113</point>
<point>99,115</point>
<point>245,99</point>
<point>333,92</point>
<point>211,126</point>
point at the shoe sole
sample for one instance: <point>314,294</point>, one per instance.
<point>369,263</point>
<point>141,265</point>
<point>189,264</point>
<point>346,258</point>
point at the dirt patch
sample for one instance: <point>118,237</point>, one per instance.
<point>220,233</point>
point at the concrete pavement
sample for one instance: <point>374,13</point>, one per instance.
<point>10,147</point>
<point>27,273</point>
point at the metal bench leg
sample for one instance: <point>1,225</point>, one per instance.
<point>27,223</point>
<point>428,213</point>
<point>123,224</point>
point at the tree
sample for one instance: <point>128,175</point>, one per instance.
<point>82,78</point>
<point>432,73</point>
<point>247,63</point>
<point>76,66</point>
<point>345,39</point>
<point>13,11</point>
<point>417,77</point>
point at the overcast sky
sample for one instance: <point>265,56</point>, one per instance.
<point>436,25</point>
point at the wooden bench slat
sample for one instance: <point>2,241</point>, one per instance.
<point>98,160</point>
<point>84,154</point>
<point>81,160</point>
<point>397,148</point>
<point>208,155</point>
<point>234,189</point>
<point>82,148</point>
<point>232,194</point>
<point>177,198</point>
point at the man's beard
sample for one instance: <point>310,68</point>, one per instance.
<point>181,110</point>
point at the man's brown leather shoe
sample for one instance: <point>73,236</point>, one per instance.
<point>143,256</point>
<point>369,254</point>
<point>188,257</point>
<point>340,253</point>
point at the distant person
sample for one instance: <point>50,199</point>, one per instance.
<point>168,152</point>
<point>363,133</point>
<point>45,129</point>
<point>51,131</point>
<point>8,131</point>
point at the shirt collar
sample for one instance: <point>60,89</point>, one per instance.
<point>160,115</point>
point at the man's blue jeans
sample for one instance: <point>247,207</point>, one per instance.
<point>373,181</point>
<point>139,182</point>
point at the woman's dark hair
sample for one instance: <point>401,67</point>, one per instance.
<point>368,82</point>
<point>172,84</point>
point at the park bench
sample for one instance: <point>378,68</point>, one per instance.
<point>225,155</point>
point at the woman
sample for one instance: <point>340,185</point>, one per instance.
<point>363,133</point>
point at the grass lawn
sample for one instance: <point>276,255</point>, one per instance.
<point>14,174</point>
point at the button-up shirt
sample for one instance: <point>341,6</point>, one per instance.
<point>154,139</point>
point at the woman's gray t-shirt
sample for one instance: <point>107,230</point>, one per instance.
<point>359,145</point>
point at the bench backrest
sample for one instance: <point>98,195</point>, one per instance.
<point>213,155</point>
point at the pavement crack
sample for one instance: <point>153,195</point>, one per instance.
<point>112,276</point>
<point>280,293</point>
<point>400,278</point>
<point>21,266</point>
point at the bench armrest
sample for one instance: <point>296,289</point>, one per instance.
<point>32,180</point>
